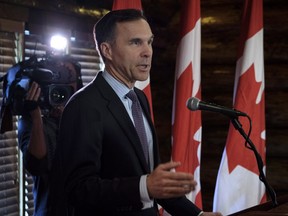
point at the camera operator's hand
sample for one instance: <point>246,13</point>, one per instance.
<point>163,183</point>
<point>37,145</point>
<point>33,94</point>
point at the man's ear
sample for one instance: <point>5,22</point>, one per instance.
<point>106,50</point>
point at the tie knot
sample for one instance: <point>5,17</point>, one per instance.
<point>132,95</point>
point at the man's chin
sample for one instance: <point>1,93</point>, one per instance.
<point>143,78</point>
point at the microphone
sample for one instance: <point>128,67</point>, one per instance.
<point>194,104</point>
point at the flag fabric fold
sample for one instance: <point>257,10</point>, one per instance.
<point>238,186</point>
<point>145,85</point>
<point>187,125</point>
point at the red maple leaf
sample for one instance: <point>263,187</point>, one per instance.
<point>237,153</point>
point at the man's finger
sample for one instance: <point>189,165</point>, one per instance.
<point>169,166</point>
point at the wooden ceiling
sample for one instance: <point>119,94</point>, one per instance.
<point>220,20</point>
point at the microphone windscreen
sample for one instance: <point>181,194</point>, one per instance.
<point>193,103</point>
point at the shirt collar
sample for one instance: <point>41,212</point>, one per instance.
<point>120,89</point>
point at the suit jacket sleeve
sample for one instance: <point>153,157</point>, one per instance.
<point>179,206</point>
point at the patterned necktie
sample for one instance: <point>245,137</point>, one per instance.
<point>139,123</point>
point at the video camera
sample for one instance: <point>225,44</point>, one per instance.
<point>58,77</point>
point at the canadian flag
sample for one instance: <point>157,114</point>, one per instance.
<point>187,125</point>
<point>145,85</point>
<point>238,186</point>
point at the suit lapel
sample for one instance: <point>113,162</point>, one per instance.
<point>119,112</point>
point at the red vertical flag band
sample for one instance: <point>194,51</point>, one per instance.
<point>125,4</point>
<point>238,186</point>
<point>187,125</point>
<point>145,85</point>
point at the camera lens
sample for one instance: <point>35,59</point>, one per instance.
<point>58,95</point>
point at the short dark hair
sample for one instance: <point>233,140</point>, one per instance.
<point>104,29</point>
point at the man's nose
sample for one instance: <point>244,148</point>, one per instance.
<point>147,50</point>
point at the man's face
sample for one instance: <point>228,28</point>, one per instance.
<point>130,55</point>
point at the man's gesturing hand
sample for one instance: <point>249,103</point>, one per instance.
<point>164,183</point>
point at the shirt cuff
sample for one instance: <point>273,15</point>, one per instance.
<point>145,199</point>
<point>201,213</point>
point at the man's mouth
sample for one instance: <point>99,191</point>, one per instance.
<point>144,66</point>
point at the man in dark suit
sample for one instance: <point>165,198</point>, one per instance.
<point>104,165</point>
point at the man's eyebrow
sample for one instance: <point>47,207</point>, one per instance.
<point>141,39</point>
<point>136,39</point>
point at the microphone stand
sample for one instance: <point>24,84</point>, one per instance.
<point>237,125</point>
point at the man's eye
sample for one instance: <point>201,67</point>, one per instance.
<point>136,42</point>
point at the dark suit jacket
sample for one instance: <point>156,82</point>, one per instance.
<point>102,156</point>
